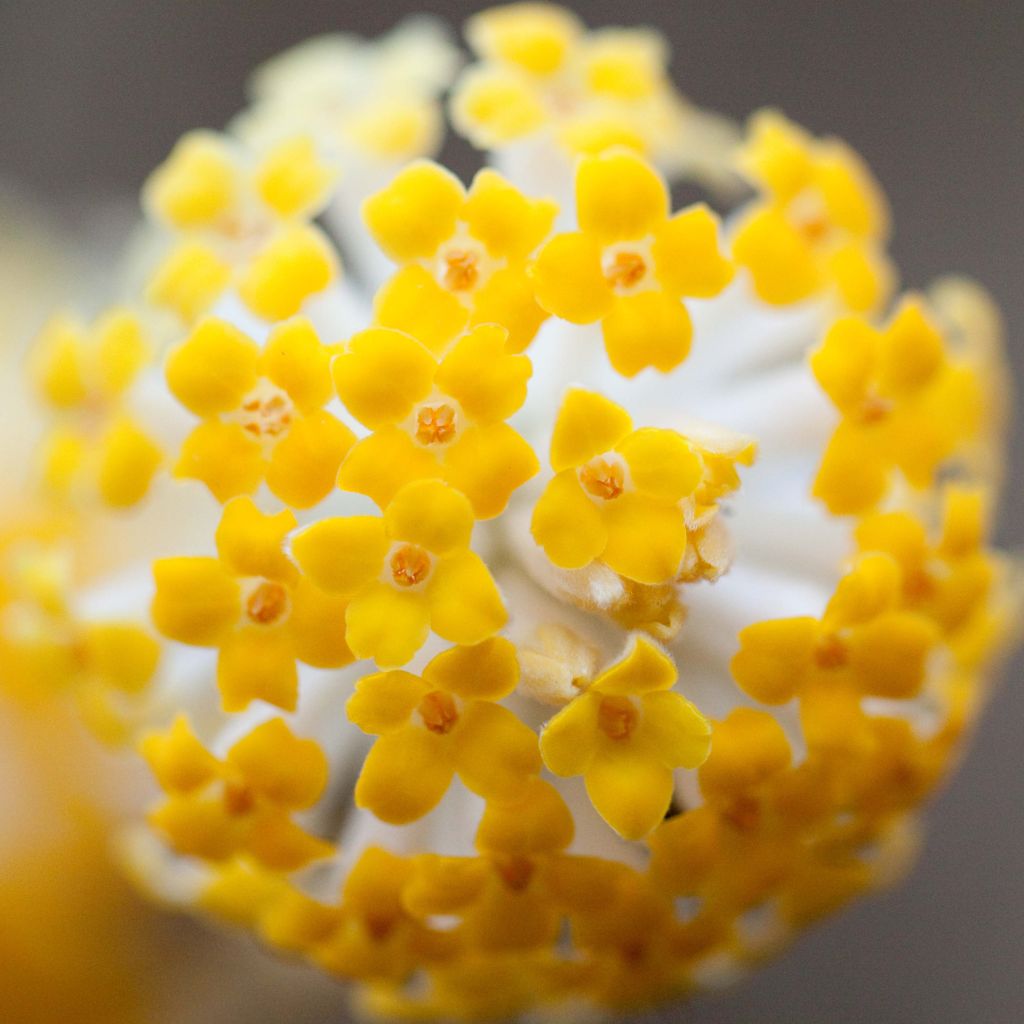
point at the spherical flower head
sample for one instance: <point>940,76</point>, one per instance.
<point>630,264</point>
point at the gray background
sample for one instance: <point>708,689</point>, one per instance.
<point>92,95</point>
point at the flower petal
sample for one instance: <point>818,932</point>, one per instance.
<point>484,671</point>
<point>257,663</point>
<point>588,425</point>
<point>486,380</point>
<point>495,753</point>
<point>644,668</point>
<point>569,741</point>
<point>567,524</point>
<point>775,657</point>
<point>304,464</point>
<point>465,605</point>
<point>380,465</point>
<point>384,701</point>
<point>317,624</point>
<point>509,224</point>
<point>687,255</point>
<point>647,329</point>
<point>631,793</point>
<point>251,542</point>
<point>431,514</point>
<point>213,368</point>
<point>386,624</point>
<point>619,196</point>
<point>569,281</point>
<point>297,361</point>
<point>662,463</point>
<point>674,730</point>
<point>414,302</point>
<point>487,464</point>
<point>197,601</point>
<point>224,457</point>
<point>646,539</point>
<point>342,554</point>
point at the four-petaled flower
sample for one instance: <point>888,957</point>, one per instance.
<point>440,724</point>
<point>241,221</point>
<point>630,264</point>
<point>242,805</point>
<point>627,497</point>
<point>86,376</point>
<point>821,224</point>
<point>405,574</point>
<point>626,734</point>
<point>254,606</point>
<point>905,405</point>
<point>262,412</point>
<point>463,255</point>
<point>433,419</point>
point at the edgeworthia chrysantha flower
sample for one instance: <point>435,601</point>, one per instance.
<point>526,595</point>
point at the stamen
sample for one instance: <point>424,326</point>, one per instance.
<point>617,717</point>
<point>266,412</point>
<point>267,603</point>
<point>462,270</point>
<point>625,270</point>
<point>238,798</point>
<point>410,565</point>
<point>435,424</point>
<point>516,872</point>
<point>603,478</point>
<point>831,652</point>
<point>439,712</point>
<point>874,410</point>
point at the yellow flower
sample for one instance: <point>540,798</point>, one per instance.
<point>405,574</point>
<point>435,419</point>
<point>241,221</point>
<point>254,606</point>
<point>440,724</point>
<point>244,804</point>
<point>905,405</point>
<point>626,734</point>
<point>262,414</point>
<point>630,264</point>
<point>86,375</point>
<point>866,642</point>
<point>627,497</point>
<point>821,223</point>
<point>462,255</point>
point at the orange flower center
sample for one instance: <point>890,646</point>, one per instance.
<point>874,410</point>
<point>603,478</point>
<point>238,798</point>
<point>410,565</point>
<point>267,603</point>
<point>810,216</point>
<point>625,270</point>
<point>267,412</point>
<point>439,712</point>
<point>435,424</point>
<point>515,872</point>
<point>831,652</point>
<point>617,717</point>
<point>461,270</point>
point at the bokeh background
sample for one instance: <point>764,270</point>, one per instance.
<point>932,94</point>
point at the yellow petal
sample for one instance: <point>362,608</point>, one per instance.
<point>382,374</point>
<point>487,464</point>
<point>646,538</point>
<point>292,179</point>
<point>535,37</point>
<point>889,654</point>
<point>197,601</point>
<point>647,329</point>
<point>257,663</point>
<point>569,741</point>
<point>342,554</point>
<point>569,280</point>
<point>317,624</point>
<point>384,701</point>
<point>854,473</point>
<point>196,184</point>
<point>284,768</point>
<point>774,658</point>
<point>178,761</point>
<point>405,775</point>
<point>871,587</point>
<point>224,457</point>
<point>213,369</point>
<point>662,463</point>
<point>487,381</point>
<point>279,844</point>
<point>189,281</point>
<point>644,668</point>
<point>780,260</point>
<point>297,361</point>
<point>507,298</point>
<point>748,748</point>
<point>484,671</point>
<point>567,524</point>
<point>251,542</point>
<point>465,605</point>
<point>631,793</point>
<point>687,256</point>
<point>493,106</point>
<point>380,465</point>
<point>122,655</point>
<point>431,514</point>
<point>122,350</point>
<point>297,262</point>
<point>619,196</point>
<point>539,822</point>
<point>509,224</point>
<point>864,276</point>
<point>844,363</point>
<point>675,729</point>
<point>911,352</point>
<point>416,212</point>
<point>129,459</point>
<point>386,624</point>
<point>495,753</point>
<point>414,302</point>
<point>304,464</point>
<point>588,425</point>
<point>58,362</point>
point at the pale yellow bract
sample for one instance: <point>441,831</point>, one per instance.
<point>572,602</point>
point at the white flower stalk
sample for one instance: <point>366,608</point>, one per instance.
<point>572,618</point>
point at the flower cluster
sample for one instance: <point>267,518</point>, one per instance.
<point>524,640</point>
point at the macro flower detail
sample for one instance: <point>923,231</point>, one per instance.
<point>254,607</point>
<point>242,223</point>
<point>405,574</point>
<point>440,724</point>
<point>626,497</point>
<point>435,419</point>
<point>86,377</point>
<point>462,255</point>
<point>625,734</point>
<point>821,222</point>
<point>905,404</point>
<point>263,417</point>
<point>243,804</point>
<point>630,264</point>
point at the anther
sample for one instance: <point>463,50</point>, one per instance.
<point>603,478</point>
<point>410,565</point>
<point>626,270</point>
<point>831,652</point>
<point>435,424</point>
<point>617,717</point>
<point>461,270</point>
<point>267,603</point>
<point>439,713</point>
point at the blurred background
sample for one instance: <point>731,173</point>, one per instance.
<point>94,95</point>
